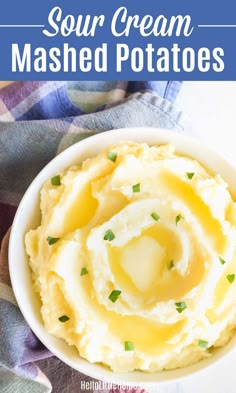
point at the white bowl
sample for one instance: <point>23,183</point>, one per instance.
<point>28,217</point>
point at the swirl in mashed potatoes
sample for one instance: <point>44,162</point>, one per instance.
<point>135,260</point>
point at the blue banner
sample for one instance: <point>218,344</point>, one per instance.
<point>118,40</point>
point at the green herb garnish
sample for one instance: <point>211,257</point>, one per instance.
<point>178,218</point>
<point>64,318</point>
<point>180,306</point>
<point>230,278</point>
<point>129,346</point>
<point>136,187</point>
<point>83,271</point>
<point>190,175</point>
<point>56,180</point>
<point>52,240</point>
<point>111,155</point>
<point>222,261</point>
<point>203,344</point>
<point>155,216</point>
<point>109,235</point>
<point>170,264</point>
<point>114,295</point>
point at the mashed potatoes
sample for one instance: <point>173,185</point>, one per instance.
<point>135,258</point>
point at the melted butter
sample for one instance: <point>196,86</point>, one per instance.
<point>140,267</point>
<point>32,240</point>
<point>142,261</point>
<point>109,205</point>
<point>230,214</point>
<point>147,336</point>
<point>81,210</point>
<point>54,288</point>
<point>184,191</point>
<point>221,290</point>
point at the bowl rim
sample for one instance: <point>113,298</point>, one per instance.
<point>113,136</point>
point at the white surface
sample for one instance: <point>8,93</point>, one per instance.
<point>27,217</point>
<point>211,110</point>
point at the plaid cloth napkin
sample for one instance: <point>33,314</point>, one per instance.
<point>37,121</point>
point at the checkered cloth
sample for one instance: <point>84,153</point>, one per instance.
<point>38,120</point>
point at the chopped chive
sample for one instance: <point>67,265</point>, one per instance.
<point>222,261</point>
<point>129,346</point>
<point>52,240</point>
<point>56,180</point>
<point>230,278</point>
<point>83,271</point>
<point>180,306</point>
<point>203,344</point>
<point>170,264</point>
<point>111,155</point>
<point>109,235</point>
<point>136,187</point>
<point>190,175</point>
<point>114,295</point>
<point>64,318</point>
<point>155,216</point>
<point>178,218</point>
